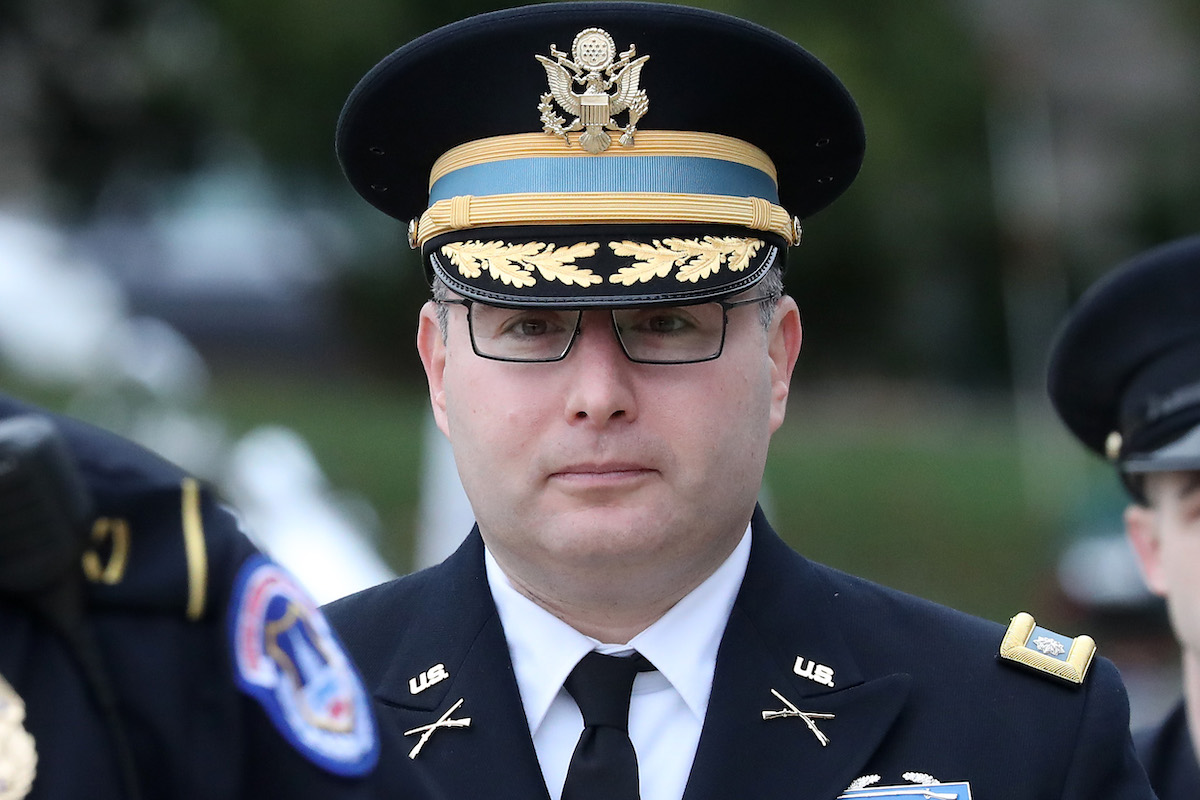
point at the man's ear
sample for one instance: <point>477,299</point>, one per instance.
<point>432,348</point>
<point>783,348</point>
<point>1141,526</point>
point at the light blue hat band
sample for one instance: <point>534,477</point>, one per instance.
<point>664,174</point>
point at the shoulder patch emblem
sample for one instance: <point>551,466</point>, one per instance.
<point>1046,651</point>
<point>287,658</point>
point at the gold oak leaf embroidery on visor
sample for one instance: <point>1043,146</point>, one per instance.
<point>514,264</point>
<point>696,259</point>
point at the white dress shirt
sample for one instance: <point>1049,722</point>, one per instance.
<point>667,709</point>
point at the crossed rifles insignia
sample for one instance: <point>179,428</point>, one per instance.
<point>610,87</point>
<point>808,716</point>
<point>443,722</point>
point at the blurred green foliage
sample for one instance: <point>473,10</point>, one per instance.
<point>901,278</point>
<point>874,271</point>
<point>366,434</point>
<point>932,505</point>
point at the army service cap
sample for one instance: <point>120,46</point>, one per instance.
<point>600,153</point>
<point>1124,372</point>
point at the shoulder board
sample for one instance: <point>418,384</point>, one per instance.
<point>1045,651</point>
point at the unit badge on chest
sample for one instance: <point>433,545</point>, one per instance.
<point>919,786</point>
<point>18,755</point>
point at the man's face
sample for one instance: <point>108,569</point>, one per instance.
<point>1166,537</point>
<point>595,474</point>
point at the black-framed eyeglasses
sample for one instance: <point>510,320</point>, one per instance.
<point>685,334</point>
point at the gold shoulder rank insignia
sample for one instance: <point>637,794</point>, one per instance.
<point>1047,651</point>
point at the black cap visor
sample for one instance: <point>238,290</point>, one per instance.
<point>590,266</point>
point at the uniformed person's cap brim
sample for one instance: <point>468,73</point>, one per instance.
<point>1181,455</point>
<point>1124,372</point>
<point>713,83</point>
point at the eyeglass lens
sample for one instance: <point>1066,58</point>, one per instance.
<point>667,334</point>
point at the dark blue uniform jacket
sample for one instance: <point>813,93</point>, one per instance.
<point>916,688</point>
<point>163,561</point>
<point>1170,758</point>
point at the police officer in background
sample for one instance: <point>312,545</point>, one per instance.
<point>147,649</point>
<point>603,195</point>
<point>1124,376</point>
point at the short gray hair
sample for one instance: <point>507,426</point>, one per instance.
<point>439,292</point>
<point>771,284</point>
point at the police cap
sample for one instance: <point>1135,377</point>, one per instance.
<point>1124,373</point>
<point>600,153</point>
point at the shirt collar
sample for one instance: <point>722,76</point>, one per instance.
<point>682,643</point>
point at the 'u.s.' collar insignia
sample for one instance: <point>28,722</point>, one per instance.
<point>818,673</point>
<point>919,787</point>
<point>18,753</point>
<point>610,87</point>
<point>435,674</point>
<point>1046,651</point>
<point>287,658</point>
<point>444,721</point>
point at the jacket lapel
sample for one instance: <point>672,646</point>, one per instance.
<point>784,623</point>
<point>459,630</point>
<point>783,613</point>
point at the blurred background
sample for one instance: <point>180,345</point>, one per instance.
<point>180,261</point>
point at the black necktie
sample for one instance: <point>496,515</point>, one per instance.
<point>604,766</point>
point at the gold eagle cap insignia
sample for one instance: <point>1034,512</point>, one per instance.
<point>610,87</point>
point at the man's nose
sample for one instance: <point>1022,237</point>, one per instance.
<point>601,376</point>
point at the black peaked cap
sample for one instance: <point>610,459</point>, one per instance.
<point>708,72</point>
<point>1127,359</point>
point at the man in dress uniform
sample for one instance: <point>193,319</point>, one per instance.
<point>603,195</point>
<point>147,649</point>
<point>1124,376</point>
